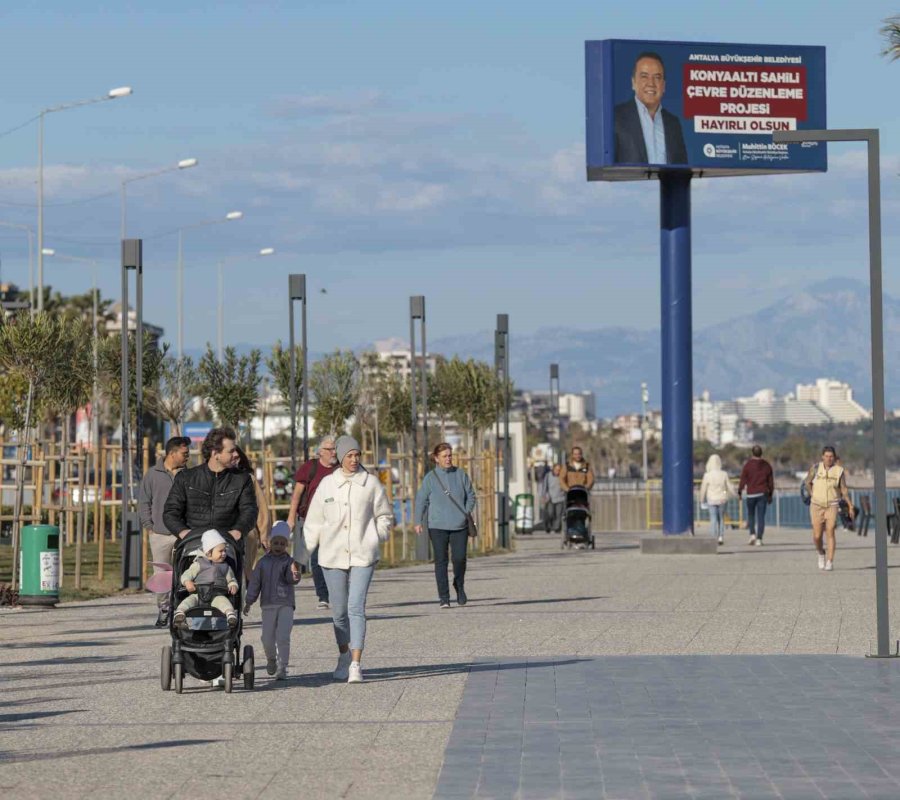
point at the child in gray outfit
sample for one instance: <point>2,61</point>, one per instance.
<point>273,583</point>
<point>209,570</point>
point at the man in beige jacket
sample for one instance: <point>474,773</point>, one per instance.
<point>826,484</point>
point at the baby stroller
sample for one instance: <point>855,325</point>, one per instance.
<point>207,648</point>
<point>578,520</point>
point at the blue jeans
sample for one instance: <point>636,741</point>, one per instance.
<point>717,519</point>
<point>756,513</point>
<point>347,590</point>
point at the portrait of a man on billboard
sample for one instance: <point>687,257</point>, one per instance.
<point>645,133</point>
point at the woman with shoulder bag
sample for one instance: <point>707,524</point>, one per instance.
<point>444,504</point>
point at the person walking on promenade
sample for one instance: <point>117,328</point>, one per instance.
<point>259,536</point>
<point>350,515</point>
<point>759,483</point>
<point>826,485</point>
<point>273,583</point>
<point>443,502</point>
<point>152,500</point>
<point>212,495</point>
<point>577,472</point>
<point>715,489</point>
<point>555,498</point>
<point>306,481</point>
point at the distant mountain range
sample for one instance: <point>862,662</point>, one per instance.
<point>821,332</point>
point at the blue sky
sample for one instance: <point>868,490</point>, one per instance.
<point>398,148</point>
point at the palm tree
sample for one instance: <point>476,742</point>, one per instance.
<point>891,32</point>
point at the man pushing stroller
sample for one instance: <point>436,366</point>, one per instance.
<point>208,579</point>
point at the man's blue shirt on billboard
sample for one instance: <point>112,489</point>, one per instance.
<point>654,132</point>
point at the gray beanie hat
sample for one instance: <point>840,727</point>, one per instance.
<point>344,445</point>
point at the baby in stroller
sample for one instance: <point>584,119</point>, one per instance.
<point>208,579</point>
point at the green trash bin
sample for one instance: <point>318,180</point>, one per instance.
<point>524,513</point>
<point>39,566</point>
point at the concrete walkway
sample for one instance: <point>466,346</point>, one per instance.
<point>81,710</point>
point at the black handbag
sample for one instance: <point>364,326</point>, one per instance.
<point>471,527</point>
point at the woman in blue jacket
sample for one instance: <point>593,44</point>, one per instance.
<point>444,499</point>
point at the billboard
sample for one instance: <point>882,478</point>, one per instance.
<point>710,108</point>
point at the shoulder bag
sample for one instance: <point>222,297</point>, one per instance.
<point>471,527</point>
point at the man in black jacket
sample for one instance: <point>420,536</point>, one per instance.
<point>212,495</point>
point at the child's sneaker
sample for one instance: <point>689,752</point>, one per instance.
<point>355,673</point>
<point>281,674</point>
<point>179,620</point>
<point>271,666</point>
<point>232,619</point>
<point>342,671</point>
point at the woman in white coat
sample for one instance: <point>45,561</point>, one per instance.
<point>350,515</point>
<point>715,489</point>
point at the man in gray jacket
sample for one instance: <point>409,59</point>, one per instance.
<point>154,490</point>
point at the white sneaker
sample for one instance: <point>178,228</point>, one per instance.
<point>821,561</point>
<point>281,674</point>
<point>828,566</point>
<point>758,542</point>
<point>356,675</point>
<point>721,540</point>
<point>752,540</point>
<point>342,671</point>
<point>216,682</point>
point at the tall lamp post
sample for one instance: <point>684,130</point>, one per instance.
<point>179,284</point>
<point>501,367</point>
<point>554,409</point>
<point>185,163</point>
<point>30,234</point>
<point>871,137</point>
<point>220,310</point>
<point>645,398</point>
<point>112,94</point>
<point>417,312</point>
<point>297,291</point>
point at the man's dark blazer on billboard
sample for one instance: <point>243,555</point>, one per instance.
<point>630,147</point>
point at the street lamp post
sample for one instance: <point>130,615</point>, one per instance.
<point>179,281</point>
<point>645,398</point>
<point>185,163</point>
<point>871,137</point>
<point>501,365</point>
<point>112,94</point>
<point>220,311</point>
<point>417,312</point>
<point>554,408</point>
<point>297,291</point>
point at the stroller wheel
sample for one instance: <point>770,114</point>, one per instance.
<point>165,669</point>
<point>248,667</point>
<point>228,675</point>
<point>178,671</point>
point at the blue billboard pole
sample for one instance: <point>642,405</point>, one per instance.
<point>677,361</point>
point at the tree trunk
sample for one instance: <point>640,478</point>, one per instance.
<point>20,484</point>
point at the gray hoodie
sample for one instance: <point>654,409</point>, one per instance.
<point>272,582</point>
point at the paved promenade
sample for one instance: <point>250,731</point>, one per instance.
<point>569,674</point>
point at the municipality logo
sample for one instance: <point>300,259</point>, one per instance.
<point>709,150</point>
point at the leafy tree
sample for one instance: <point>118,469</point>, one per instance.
<point>178,383</point>
<point>335,382</point>
<point>471,393</point>
<point>891,33</point>
<point>109,358</point>
<point>231,386</point>
<point>394,406</point>
<point>279,366</point>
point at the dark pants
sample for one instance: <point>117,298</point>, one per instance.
<point>756,514</point>
<point>556,517</point>
<point>456,542</point>
<point>318,576</point>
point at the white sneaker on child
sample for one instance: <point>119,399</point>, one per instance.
<point>356,673</point>
<point>342,671</point>
<point>281,674</point>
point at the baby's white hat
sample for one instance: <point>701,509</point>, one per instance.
<point>280,530</point>
<point>210,539</point>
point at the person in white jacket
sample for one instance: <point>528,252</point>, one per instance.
<point>350,515</point>
<point>715,489</point>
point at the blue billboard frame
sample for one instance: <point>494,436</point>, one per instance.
<point>608,67</point>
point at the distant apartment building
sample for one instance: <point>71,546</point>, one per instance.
<point>574,407</point>
<point>727,422</point>
<point>395,354</point>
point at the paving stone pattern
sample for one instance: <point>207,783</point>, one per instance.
<point>677,727</point>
